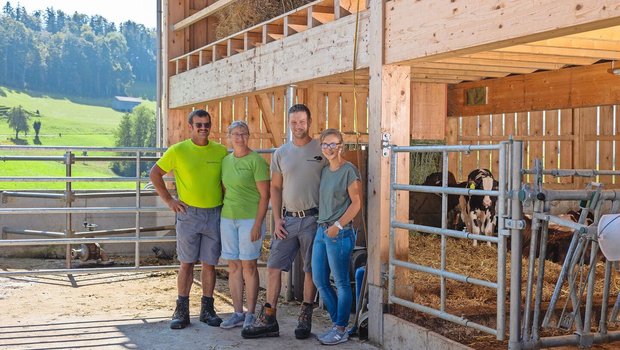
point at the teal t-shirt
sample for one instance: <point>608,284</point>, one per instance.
<point>197,172</point>
<point>239,176</point>
<point>334,191</point>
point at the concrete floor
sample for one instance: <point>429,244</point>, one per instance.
<point>127,311</point>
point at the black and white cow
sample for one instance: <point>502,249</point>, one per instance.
<point>478,212</point>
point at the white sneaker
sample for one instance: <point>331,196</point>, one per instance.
<point>235,320</point>
<point>335,337</point>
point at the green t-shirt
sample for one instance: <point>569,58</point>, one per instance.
<point>197,172</point>
<point>239,176</point>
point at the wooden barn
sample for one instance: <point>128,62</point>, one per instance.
<point>455,72</point>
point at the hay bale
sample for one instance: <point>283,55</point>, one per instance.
<point>246,13</point>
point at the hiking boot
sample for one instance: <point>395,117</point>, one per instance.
<point>335,337</point>
<point>180,317</point>
<point>249,319</point>
<point>304,322</point>
<point>264,326</point>
<point>233,321</point>
<point>207,313</point>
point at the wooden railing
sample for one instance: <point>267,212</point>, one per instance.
<point>301,19</point>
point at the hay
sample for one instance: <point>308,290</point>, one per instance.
<point>478,262</point>
<point>246,13</point>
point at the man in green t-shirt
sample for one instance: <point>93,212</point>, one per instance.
<point>197,167</point>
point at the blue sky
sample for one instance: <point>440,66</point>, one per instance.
<point>117,11</point>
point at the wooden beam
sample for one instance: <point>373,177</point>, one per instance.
<point>533,58</point>
<point>472,68</point>
<point>563,51</point>
<point>463,28</point>
<point>565,88</point>
<point>478,71</point>
<point>502,63</point>
<point>578,43</point>
<point>202,14</point>
<point>264,103</point>
<point>446,76</point>
<point>389,107</point>
<point>294,59</point>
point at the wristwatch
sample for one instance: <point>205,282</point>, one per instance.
<point>337,224</point>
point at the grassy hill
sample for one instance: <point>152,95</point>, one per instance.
<point>64,122</point>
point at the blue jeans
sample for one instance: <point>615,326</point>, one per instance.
<point>333,255</point>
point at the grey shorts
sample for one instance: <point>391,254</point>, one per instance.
<point>198,235</point>
<point>301,232</point>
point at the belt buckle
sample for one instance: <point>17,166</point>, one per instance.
<point>301,214</point>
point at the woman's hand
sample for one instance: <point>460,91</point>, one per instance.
<point>332,231</point>
<point>255,233</point>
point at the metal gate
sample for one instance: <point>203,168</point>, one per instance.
<point>527,317</point>
<point>507,167</point>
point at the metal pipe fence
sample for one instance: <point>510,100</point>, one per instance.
<point>578,275</point>
<point>69,195</point>
<point>502,196</point>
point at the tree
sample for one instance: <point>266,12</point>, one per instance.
<point>18,120</point>
<point>135,130</point>
<point>37,127</point>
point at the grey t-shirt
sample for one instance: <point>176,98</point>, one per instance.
<point>301,172</point>
<point>334,191</point>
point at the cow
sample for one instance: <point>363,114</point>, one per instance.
<point>558,237</point>
<point>478,212</point>
<point>425,208</point>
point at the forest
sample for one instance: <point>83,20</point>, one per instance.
<point>74,54</point>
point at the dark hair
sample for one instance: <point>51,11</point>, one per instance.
<point>201,113</point>
<point>300,108</point>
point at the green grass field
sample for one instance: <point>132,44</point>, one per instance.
<point>64,122</point>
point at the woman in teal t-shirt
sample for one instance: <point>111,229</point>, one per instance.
<point>245,176</point>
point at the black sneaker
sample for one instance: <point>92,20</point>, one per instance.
<point>304,322</point>
<point>207,312</point>
<point>180,318</point>
<point>263,326</point>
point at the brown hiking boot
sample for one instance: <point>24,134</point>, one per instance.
<point>264,326</point>
<point>304,322</point>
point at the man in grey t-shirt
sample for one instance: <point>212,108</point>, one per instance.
<point>295,177</point>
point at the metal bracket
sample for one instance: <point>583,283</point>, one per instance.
<point>514,224</point>
<point>384,275</point>
<point>385,144</point>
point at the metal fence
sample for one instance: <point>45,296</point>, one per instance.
<point>70,237</point>
<point>500,284</point>
<point>528,320</point>
<point>577,275</point>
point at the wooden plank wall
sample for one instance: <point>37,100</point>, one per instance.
<point>328,108</point>
<point>581,138</point>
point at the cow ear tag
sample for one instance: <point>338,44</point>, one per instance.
<point>472,186</point>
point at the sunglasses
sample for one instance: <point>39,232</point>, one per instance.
<point>332,145</point>
<point>203,125</point>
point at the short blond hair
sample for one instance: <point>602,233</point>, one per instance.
<point>238,124</point>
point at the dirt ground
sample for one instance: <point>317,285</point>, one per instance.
<point>124,311</point>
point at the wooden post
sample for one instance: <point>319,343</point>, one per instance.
<point>389,106</point>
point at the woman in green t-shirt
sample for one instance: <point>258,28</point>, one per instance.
<point>245,176</point>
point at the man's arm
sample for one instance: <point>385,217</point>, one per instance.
<point>276,205</point>
<point>157,179</point>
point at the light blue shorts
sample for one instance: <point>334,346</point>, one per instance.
<point>236,242</point>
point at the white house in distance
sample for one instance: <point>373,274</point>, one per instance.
<point>125,103</point>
